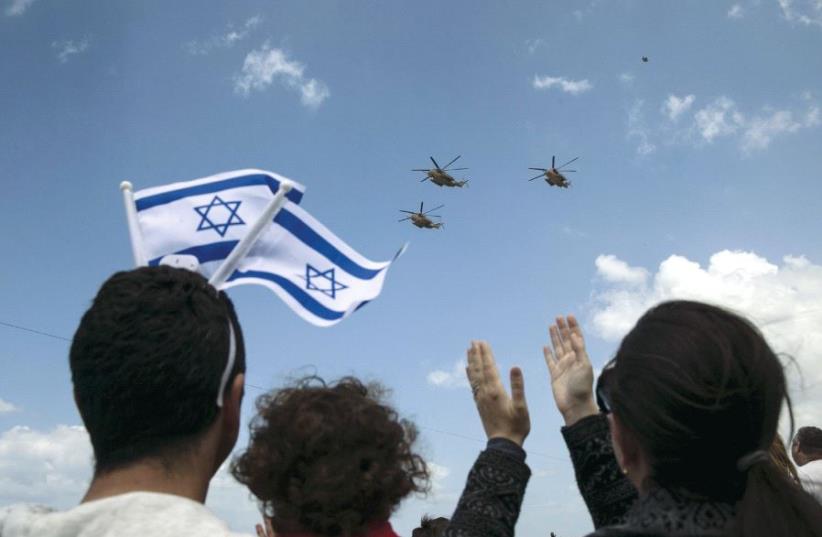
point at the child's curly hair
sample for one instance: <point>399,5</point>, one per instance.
<point>329,458</point>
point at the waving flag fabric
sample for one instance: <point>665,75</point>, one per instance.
<point>311,269</point>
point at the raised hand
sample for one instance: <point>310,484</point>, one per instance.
<point>572,377</point>
<point>502,416</point>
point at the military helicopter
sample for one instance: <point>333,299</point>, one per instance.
<point>440,176</point>
<point>422,219</point>
<point>645,59</point>
<point>553,176</point>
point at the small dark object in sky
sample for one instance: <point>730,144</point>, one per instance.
<point>645,59</point>
<point>442,176</point>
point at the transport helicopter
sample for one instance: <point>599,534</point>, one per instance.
<point>553,175</point>
<point>442,176</point>
<point>423,219</point>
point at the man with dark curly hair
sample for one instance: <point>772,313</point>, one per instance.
<point>158,365</point>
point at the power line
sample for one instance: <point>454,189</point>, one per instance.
<point>33,331</point>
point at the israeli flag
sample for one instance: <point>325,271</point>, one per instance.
<point>312,270</point>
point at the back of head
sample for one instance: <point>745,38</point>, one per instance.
<point>701,391</point>
<point>808,441</point>
<point>329,459</point>
<point>431,527</point>
<point>147,362</point>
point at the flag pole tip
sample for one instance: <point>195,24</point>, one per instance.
<point>126,185</point>
<point>286,186</point>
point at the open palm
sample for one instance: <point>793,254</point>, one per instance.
<point>572,377</point>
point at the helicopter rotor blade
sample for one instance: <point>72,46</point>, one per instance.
<point>537,177</point>
<point>567,171</point>
<point>432,210</point>
<point>539,169</point>
<point>435,163</point>
<point>409,212</point>
<point>419,170</point>
<point>450,163</point>
<point>457,169</point>
<point>553,157</point>
<point>404,219</point>
<point>420,208</point>
<point>569,162</point>
<point>424,179</point>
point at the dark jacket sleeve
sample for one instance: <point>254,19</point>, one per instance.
<point>490,504</point>
<point>606,491</point>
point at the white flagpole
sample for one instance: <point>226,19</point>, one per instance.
<point>133,226</point>
<point>239,251</point>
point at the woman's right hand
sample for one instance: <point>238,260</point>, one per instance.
<point>572,376</point>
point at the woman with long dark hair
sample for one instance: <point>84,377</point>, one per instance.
<point>688,409</point>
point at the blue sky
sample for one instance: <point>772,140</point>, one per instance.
<point>711,146</point>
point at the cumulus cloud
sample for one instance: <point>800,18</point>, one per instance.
<point>719,118</point>
<point>265,65</point>
<point>759,131</point>
<point>783,299</point>
<point>574,87</point>
<point>6,407</point>
<point>736,12</point>
<point>638,129</point>
<point>675,106</point>
<point>18,7</point>
<point>807,12</point>
<point>52,467</point>
<point>231,36</point>
<point>68,48</point>
<point>453,378</point>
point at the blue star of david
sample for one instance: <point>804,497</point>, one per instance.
<point>220,227</point>
<point>312,273</point>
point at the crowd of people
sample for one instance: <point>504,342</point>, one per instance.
<point>677,438</point>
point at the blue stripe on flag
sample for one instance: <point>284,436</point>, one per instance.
<point>314,240</point>
<point>304,299</point>
<point>204,252</point>
<point>245,180</point>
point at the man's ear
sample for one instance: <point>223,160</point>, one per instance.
<point>229,426</point>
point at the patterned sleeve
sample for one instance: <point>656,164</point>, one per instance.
<point>606,491</point>
<point>490,504</point>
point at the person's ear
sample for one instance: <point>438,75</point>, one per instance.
<point>229,419</point>
<point>626,449</point>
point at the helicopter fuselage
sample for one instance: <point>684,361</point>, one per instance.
<point>441,178</point>
<point>423,222</point>
<point>555,178</point>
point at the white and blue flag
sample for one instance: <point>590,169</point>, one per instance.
<point>311,269</point>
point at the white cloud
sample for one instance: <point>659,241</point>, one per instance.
<point>6,407</point>
<point>574,87</point>
<point>759,131</point>
<point>52,468</point>
<point>784,300</point>
<point>637,129</point>
<point>533,44</point>
<point>265,65</point>
<point>675,106</point>
<point>807,12</point>
<point>736,12</point>
<point>455,378</point>
<point>227,39</point>
<point>18,7</point>
<point>615,270</point>
<point>626,78</point>
<point>812,117</point>
<point>719,118</point>
<point>67,49</point>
